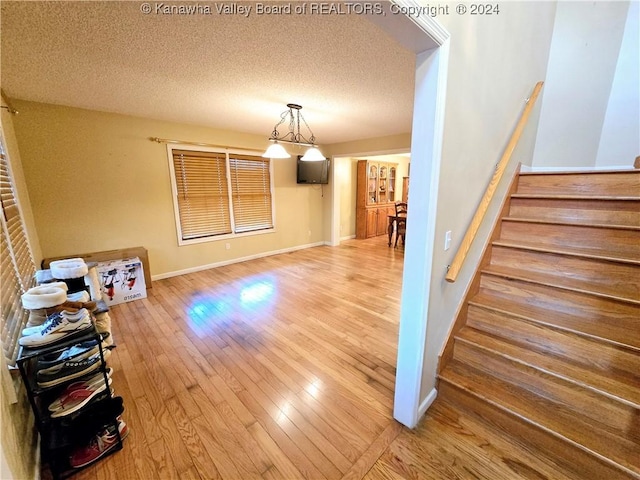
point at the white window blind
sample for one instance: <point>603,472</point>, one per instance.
<point>251,192</point>
<point>202,193</point>
<point>17,268</point>
<point>219,193</point>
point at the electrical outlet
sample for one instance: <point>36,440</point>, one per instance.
<point>227,246</point>
<point>447,240</point>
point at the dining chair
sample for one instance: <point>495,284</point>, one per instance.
<point>401,208</point>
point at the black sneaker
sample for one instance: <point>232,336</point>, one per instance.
<point>67,370</point>
<point>97,413</point>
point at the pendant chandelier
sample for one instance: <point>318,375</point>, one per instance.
<point>293,136</point>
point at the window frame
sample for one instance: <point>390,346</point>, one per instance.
<point>174,194</point>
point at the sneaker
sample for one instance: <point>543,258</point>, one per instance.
<point>99,445</point>
<point>80,396</point>
<point>60,327</point>
<point>67,370</point>
<point>79,351</point>
<point>68,393</point>
<point>49,319</point>
<point>98,412</point>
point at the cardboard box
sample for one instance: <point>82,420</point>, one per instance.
<point>110,255</point>
<point>122,280</point>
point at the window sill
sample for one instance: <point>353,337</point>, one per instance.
<point>227,236</point>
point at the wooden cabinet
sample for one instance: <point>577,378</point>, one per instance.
<point>375,197</point>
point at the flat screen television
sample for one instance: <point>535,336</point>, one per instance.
<point>313,172</point>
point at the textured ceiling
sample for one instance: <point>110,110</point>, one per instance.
<point>226,71</point>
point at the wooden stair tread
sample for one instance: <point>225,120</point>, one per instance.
<point>545,414</point>
<point>602,369</point>
<point>550,196</point>
<point>580,322</point>
<point>608,254</point>
<point>581,172</point>
<point>575,399</point>
<point>557,281</point>
<point>577,223</point>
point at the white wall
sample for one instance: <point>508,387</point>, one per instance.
<point>620,139</point>
<point>582,61</point>
<point>346,180</point>
<point>494,63</point>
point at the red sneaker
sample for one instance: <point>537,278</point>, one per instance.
<point>98,446</point>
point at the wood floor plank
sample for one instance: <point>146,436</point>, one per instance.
<point>257,456</point>
<point>164,463</point>
<point>226,438</point>
<point>283,441</point>
<point>202,462</point>
<point>223,463</point>
<point>375,450</point>
<point>280,460</point>
<point>171,436</point>
<point>191,474</point>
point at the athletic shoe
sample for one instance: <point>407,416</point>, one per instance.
<point>99,445</point>
<point>68,395</point>
<point>97,413</point>
<point>38,328</point>
<point>67,370</point>
<point>78,351</point>
<point>78,398</point>
<point>61,327</point>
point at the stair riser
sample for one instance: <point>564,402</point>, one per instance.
<point>609,212</point>
<point>563,453</point>
<point>611,361</point>
<point>627,242</point>
<point>617,417</point>
<point>618,183</point>
<point>608,278</point>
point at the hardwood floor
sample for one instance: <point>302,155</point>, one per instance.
<point>284,368</point>
<point>281,367</point>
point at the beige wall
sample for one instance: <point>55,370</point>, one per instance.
<point>494,64</point>
<point>97,182</point>
<point>17,436</point>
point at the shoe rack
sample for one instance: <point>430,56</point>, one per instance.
<point>60,436</point>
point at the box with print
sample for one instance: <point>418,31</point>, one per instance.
<point>122,280</point>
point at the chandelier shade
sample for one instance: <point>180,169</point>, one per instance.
<point>276,150</point>
<point>294,136</point>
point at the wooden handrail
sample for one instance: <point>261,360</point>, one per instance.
<point>470,235</point>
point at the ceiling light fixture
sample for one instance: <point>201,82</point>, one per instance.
<point>293,136</point>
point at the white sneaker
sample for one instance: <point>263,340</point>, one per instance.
<point>62,326</point>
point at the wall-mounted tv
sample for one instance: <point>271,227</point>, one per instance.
<point>313,172</point>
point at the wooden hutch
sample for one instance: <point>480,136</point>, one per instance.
<point>375,197</point>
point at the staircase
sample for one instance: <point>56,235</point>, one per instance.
<point>547,343</point>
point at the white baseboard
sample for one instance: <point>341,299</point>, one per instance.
<point>199,268</point>
<point>348,237</point>
<point>529,169</point>
<point>426,403</point>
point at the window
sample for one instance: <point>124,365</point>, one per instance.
<point>17,268</point>
<point>218,194</point>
